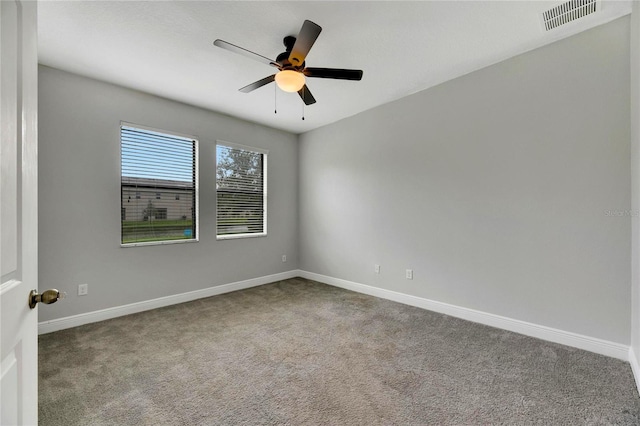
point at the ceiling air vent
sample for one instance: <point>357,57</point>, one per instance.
<point>567,12</point>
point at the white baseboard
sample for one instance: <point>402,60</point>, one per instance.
<point>603,347</point>
<point>635,366</point>
<point>592,344</point>
<point>132,308</point>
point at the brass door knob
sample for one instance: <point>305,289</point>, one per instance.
<point>48,297</point>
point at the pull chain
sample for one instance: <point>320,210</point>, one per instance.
<point>275,98</point>
<point>303,103</point>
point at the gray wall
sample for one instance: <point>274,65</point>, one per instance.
<point>493,187</point>
<point>79,211</point>
<point>635,184</point>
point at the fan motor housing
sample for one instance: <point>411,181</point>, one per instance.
<point>283,58</point>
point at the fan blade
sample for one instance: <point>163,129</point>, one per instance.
<point>244,52</point>
<point>336,73</point>
<point>258,84</point>
<point>306,95</point>
<point>307,36</point>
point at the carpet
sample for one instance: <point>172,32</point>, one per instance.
<point>300,352</point>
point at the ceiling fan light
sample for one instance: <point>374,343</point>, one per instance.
<point>289,80</point>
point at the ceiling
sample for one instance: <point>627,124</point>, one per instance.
<point>166,48</point>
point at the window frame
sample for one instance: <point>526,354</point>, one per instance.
<point>265,162</point>
<point>196,184</point>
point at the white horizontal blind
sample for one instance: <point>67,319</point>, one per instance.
<point>158,187</point>
<point>241,191</point>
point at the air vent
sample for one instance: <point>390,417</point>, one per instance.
<point>567,12</point>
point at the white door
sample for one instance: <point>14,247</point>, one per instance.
<point>18,212</point>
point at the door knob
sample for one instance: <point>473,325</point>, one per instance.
<point>48,297</point>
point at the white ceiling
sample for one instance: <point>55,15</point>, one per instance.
<point>165,48</point>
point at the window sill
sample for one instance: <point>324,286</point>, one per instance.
<point>239,236</point>
<point>159,243</point>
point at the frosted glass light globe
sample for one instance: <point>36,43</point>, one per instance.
<point>290,81</point>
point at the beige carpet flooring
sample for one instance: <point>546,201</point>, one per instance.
<point>299,352</point>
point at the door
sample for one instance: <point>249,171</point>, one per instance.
<point>18,212</point>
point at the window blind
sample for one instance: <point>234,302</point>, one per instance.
<point>158,186</point>
<point>240,191</point>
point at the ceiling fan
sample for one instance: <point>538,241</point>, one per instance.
<point>292,72</point>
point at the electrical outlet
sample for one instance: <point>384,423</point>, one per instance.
<point>284,257</point>
<point>376,268</point>
<point>409,274</point>
<point>83,289</point>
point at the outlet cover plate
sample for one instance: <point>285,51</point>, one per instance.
<point>83,289</point>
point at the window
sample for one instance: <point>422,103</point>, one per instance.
<point>241,191</point>
<point>161,213</point>
<point>153,162</point>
